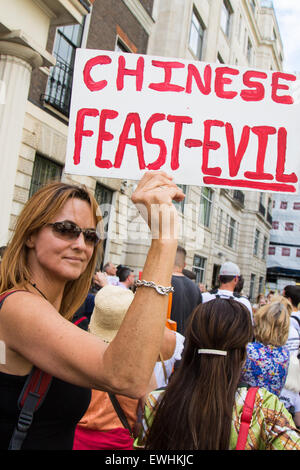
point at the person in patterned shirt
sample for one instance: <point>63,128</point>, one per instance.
<point>202,405</point>
<point>268,355</point>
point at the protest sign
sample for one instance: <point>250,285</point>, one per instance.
<point>205,124</point>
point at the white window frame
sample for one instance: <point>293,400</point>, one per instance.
<point>197,29</point>
<point>232,231</point>
<point>206,202</point>
<point>252,285</point>
<point>199,269</point>
<point>225,20</point>
<point>256,242</point>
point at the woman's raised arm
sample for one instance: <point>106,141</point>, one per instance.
<point>34,330</point>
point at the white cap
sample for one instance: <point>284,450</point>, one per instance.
<point>229,269</point>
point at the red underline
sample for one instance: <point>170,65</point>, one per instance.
<point>249,184</point>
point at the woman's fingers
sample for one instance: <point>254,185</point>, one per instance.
<point>157,187</point>
<point>153,198</point>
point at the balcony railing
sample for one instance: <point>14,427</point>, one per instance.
<point>59,88</point>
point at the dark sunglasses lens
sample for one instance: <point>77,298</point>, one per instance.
<point>72,231</point>
<point>91,236</point>
<point>67,229</point>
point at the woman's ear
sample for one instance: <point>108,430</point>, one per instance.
<point>30,242</point>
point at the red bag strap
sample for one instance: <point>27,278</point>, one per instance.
<point>246,418</point>
<point>37,384</point>
<point>7,293</point>
<point>31,397</point>
<point>77,322</point>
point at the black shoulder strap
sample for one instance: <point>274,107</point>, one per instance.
<point>237,295</point>
<point>296,318</point>
<point>30,399</point>
<point>120,412</point>
<point>214,291</point>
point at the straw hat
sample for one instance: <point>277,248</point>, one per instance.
<point>111,305</point>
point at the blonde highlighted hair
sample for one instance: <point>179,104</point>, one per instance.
<point>272,322</point>
<point>38,211</point>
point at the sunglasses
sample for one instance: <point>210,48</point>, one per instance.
<point>71,231</point>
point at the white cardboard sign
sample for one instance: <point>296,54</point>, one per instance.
<point>205,124</point>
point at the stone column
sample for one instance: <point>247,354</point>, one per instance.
<point>16,63</point>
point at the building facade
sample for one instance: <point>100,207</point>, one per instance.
<point>217,224</point>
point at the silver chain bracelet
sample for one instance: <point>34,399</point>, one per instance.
<point>159,289</point>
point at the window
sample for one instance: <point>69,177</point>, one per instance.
<point>264,248</point>
<point>261,198</point>
<point>283,205</point>
<point>103,196</point>
<point>253,5</point>
<point>225,17</point>
<point>44,171</point>
<point>261,206</point>
<point>220,59</point>
<point>275,225</point>
<point>252,286</point>
<point>232,235</point>
<point>261,285</point>
<point>205,206</point>
<point>121,47</point>
<point>256,242</point>
<point>245,39</point>
<point>298,252</point>
<point>180,205</point>
<point>296,206</point>
<point>249,51</point>
<point>269,210</point>
<point>219,225</point>
<point>240,26</point>
<point>199,268</point>
<point>272,250</point>
<point>196,36</point>
<point>270,205</point>
<point>289,226</point>
<point>285,251</point>
<point>59,86</point>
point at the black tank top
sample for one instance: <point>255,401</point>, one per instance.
<point>54,423</point>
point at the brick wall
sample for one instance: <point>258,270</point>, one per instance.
<point>106,16</point>
<point>38,78</point>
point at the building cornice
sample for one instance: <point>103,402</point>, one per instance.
<point>18,41</point>
<point>20,51</point>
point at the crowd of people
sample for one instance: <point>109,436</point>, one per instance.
<point>160,363</point>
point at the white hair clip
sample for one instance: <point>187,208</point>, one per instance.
<point>212,351</point>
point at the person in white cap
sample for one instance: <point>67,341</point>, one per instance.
<point>228,277</point>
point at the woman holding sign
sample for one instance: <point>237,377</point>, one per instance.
<point>46,273</point>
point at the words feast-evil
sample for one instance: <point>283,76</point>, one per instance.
<point>210,82</point>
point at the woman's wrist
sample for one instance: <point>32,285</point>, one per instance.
<point>160,261</point>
